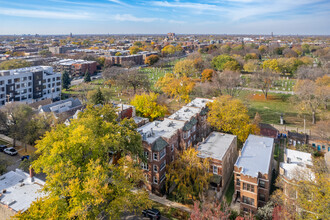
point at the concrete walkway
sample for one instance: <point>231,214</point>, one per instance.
<point>166,202</point>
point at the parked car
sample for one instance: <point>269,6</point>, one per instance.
<point>25,157</point>
<point>152,213</point>
<point>2,147</point>
<point>11,151</point>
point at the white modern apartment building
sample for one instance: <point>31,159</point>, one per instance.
<point>30,84</point>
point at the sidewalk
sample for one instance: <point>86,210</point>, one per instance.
<point>166,202</point>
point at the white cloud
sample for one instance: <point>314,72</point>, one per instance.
<point>43,14</point>
<point>129,17</point>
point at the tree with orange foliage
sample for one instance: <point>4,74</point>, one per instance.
<point>151,60</point>
<point>207,75</point>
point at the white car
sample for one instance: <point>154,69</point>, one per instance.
<point>11,151</point>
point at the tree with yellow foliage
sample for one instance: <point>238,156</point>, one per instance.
<point>271,65</point>
<point>185,68</point>
<point>134,50</point>
<point>176,87</point>
<point>230,115</point>
<point>190,175</point>
<point>147,106</point>
<point>82,183</point>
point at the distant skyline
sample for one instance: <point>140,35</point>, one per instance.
<point>303,17</point>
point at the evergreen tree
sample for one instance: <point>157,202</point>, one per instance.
<point>87,77</point>
<point>98,98</point>
<point>66,80</point>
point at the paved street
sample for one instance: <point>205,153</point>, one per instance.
<point>129,216</point>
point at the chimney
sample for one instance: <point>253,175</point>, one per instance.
<point>31,171</point>
<point>239,153</point>
<point>31,174</point>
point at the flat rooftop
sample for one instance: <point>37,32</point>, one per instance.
<point>31,69</point>
<point>69,62</point>
<point>20,190</point>
<point>215,146</point>
<point>199,102</point>
<point>297,164</point>
<point>156,129</point>
<point>256,155</point>
<point>185,113</point>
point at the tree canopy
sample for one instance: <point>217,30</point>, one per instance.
<point>190,175</point>
<point>230,115</point>
<point>14,64</point>
<point>82,183</point>
<point>146,105</point>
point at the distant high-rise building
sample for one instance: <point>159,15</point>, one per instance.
<point>70,34</point>
<point>272,34</point>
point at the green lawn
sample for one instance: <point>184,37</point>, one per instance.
<point>270,110</point>
<point>230,191</point>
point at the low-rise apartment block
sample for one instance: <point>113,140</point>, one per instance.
<point>253,172</point>
<point>30,84</point>
<point>221,150</point>
<point>162,140</point>
<point>75,67</point>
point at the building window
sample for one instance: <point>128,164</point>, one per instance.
<point>185,135</point>
<point>193,129</point>
<point>155,156</point>
<point>146,154</point>
<point>215,169</point>
<point>155,168</point>
<point>146,177</point>
<point>162,154</point>
<point>248,187</point>
<point>172,148</point>
<point>145,166</point>
<point>163,165</point>
<point>238,182</point>
<point>262,197</point>
<point>262,184</point>
<point>162,178</point>
<point>248,200</point>
<point>155,180</point>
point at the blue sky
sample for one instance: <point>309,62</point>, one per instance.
<point>158,17</point>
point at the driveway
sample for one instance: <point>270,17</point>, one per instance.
<point>11,161</point>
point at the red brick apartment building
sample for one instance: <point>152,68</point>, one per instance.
<point>162,140</point>
<point>221,150</point>
<point>253,173</point>
<point>75,67</point>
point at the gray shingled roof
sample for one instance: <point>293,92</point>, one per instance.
<point>75,103</point>
<point>159,144</point>
<point>190,124</point>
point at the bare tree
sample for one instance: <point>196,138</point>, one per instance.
<point>307,97</point>
<point>305,72</point>
<point>263,80</point>
<point>133,78</point>
<point>232,82</point>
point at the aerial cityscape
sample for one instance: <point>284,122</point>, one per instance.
<point>178,109</point>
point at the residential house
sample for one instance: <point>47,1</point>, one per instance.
<point>296,165</point>
<point>253,172</point>
<point>221,150</point>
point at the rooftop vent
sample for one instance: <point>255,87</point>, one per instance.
<point>186,110</point>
